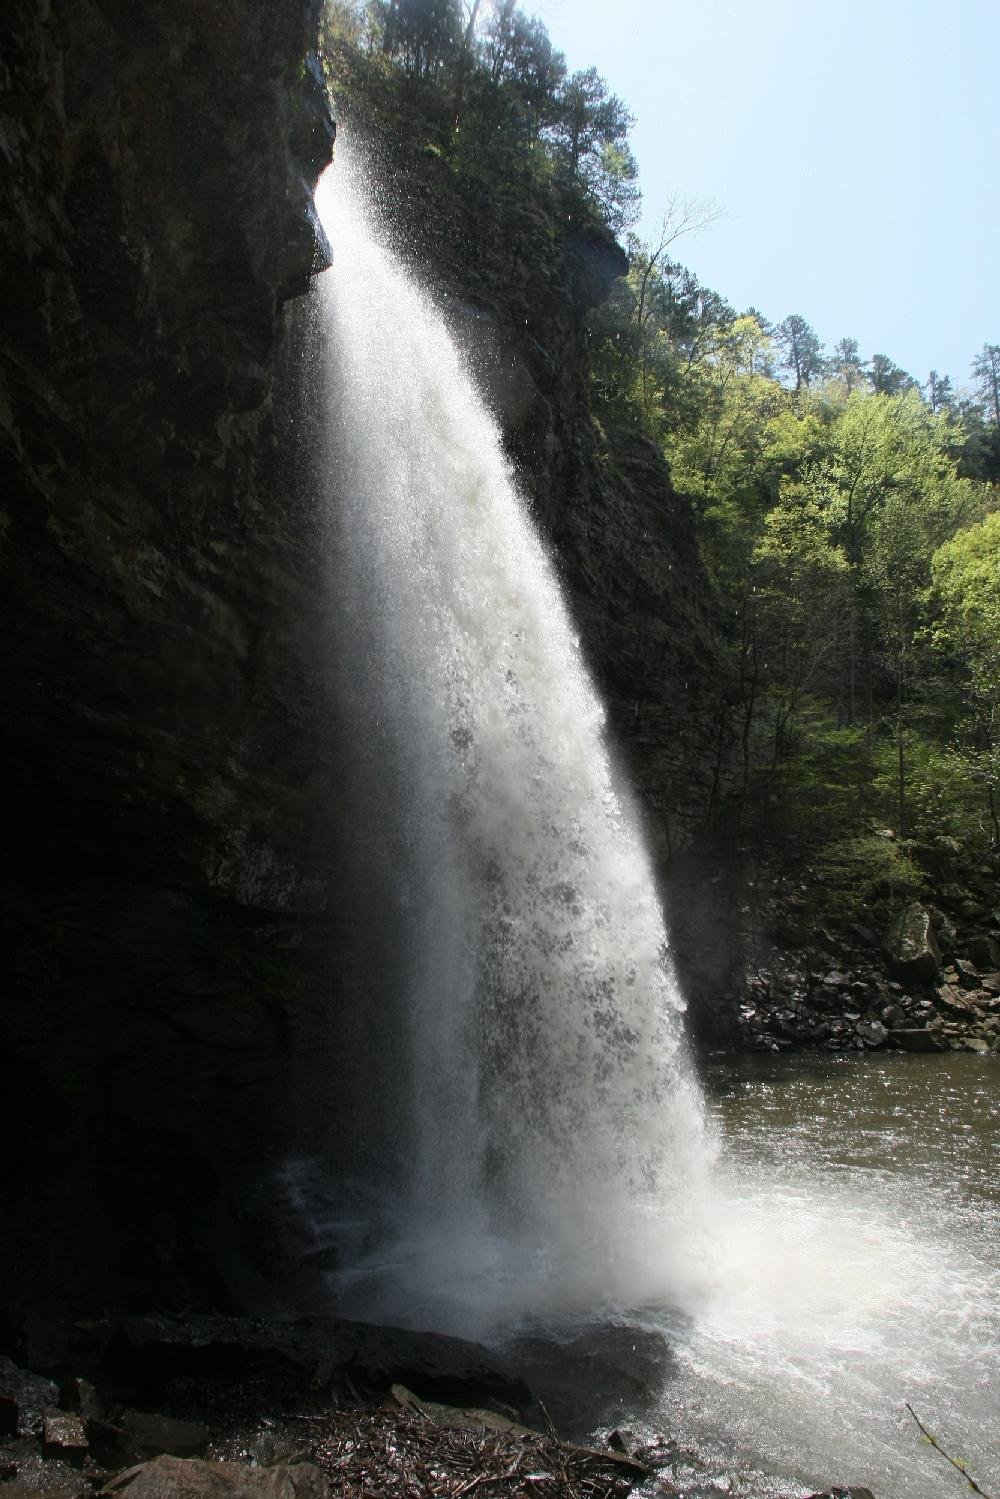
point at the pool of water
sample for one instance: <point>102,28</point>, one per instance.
<point>854,1266</point>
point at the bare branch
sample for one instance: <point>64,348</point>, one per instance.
<point>935,1443</point>
<point>681,215</point>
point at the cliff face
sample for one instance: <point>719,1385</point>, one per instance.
<point>165,858</point>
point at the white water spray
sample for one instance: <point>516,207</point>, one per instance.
<point>549,1117</point>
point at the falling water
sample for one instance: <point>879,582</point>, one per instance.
<point>543,1157</point>
<point>547,1105</point>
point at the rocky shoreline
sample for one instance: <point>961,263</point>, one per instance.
<point>215,1406</point>
<point>931,983</point>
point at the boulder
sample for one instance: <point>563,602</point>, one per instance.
<point>138,1435</point>
<point>872,1032</point>
<point>985,952</point>
<point>145,1350</point>
<point>918,1038</point>
<point>911,945</point>
<point>150,1435</point>
<point>63,1435</point>
<point>953,1001</point>
<point>193,1478</point>
<point>81,1396</point>
<point>968,974</point>
<point>944,928</point>
<point>29,1393</point>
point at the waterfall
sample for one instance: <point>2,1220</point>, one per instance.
<point>549,1135</point>
<point>527,1143</point>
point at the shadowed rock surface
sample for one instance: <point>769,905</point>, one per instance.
<point>161,713</point>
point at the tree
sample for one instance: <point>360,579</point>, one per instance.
<point>589,119</point>
<point>802,350</point>
<point>590,138</point>
<point>680,216</point>
<point>464,58</point>
<point>717,457</point>
<point>887,379</point>
<point>986,372</point>
<point>981,450</point>
<point>940,396</point>
<point>694,317</point>
<point>888,473</point>
<point>517,53</point>
<point>800,576</point>
<point>847,364</point>
<point>966,578</point>
<point>422,34</point>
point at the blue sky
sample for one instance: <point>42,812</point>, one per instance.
<point>855,149</point>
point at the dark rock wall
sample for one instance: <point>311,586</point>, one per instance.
<point>166,843</point>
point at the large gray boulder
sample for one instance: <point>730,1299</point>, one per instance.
<point>192,1478</point>
<point>911,945</point>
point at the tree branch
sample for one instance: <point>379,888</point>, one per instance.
<point>938,1448</point>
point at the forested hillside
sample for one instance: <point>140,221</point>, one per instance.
<point>848,520</point>
<point>846,513</point>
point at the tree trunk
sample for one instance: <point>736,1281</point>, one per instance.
<point>463,63</point>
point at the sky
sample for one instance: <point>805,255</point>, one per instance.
<point>853,146</point>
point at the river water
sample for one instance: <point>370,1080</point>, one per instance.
<point>855,1266</point>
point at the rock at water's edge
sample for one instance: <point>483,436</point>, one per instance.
<point>918,1038</point>
<point>911,945</point>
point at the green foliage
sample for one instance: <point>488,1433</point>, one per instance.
<point>942,798</point>
<point>966,579</point>
<point>940,395</point>
<point>801,350</point>
<point>590,139</point>
<point>887,379</point>
<point>820,510</point>
<point>807,786</point>
<point>986,373</point>
<point>846,363</point>
<point>422,35</point>
<point>864,870</point>
<point>966,587</point>
<point>483,85</point>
